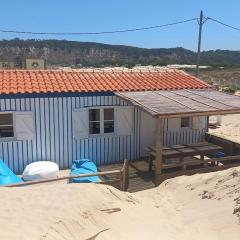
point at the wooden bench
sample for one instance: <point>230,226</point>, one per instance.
<point>185,153</point>
<point>193,161</point>
<point>188,161</point>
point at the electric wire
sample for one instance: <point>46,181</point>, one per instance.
<point>99,33</point>
<point>224,24</point>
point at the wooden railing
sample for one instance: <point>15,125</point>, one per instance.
<point>229,162</point>
<point>122,178</point>
<point>230,147</point>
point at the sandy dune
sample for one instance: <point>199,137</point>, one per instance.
<point>205,206</point>
<point>230,128</point>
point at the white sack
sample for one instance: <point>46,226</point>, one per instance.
<point>40,170</point>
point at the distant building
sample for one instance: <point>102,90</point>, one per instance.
<point>18,63</point>
<point>10,65</point>
<point>6,65</point>
<point>35,63</point>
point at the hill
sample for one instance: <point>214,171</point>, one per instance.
<point>67,53</point>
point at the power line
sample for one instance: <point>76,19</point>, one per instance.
<point>120,31</point>
<point>222,23</point>
<point>99,33</point>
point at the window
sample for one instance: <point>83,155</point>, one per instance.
<point>185,122</point>
<point>101,121</point>
<point>6,125</point>
<point>94,121</point>
<point>108,120</point>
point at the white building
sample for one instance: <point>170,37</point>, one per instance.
<point>61,116</point>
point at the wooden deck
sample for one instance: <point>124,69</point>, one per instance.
<point>142,174</point>
<point>139,176</point>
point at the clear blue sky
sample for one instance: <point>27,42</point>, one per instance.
<point>107,15</point>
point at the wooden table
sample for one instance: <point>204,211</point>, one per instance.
<point>185,151</point>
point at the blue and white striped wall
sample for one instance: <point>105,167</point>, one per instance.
<point>53,139</point>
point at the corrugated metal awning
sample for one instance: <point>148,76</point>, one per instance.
<point>180,103</point>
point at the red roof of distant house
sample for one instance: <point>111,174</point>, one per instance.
<point>55,81</point>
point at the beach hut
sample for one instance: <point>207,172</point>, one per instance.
<point>104,116</point>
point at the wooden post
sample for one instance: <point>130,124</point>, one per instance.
<point>199,42</point>
<point>124,176</point>
<point>121,179</point>
<point>232,148</point>
<point>159,149</point>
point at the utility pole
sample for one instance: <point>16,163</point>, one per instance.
<point>199,42</point>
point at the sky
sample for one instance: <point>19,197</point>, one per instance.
<point>108,15</point>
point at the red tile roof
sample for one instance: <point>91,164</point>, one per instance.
<point>55,81</point>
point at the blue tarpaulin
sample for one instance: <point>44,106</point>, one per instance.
<point>219,154</point>
<point>83,166</point>
<point>7,176</point>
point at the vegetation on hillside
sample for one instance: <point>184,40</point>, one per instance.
<point>72,53</point>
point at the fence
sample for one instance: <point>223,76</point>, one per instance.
<point>122,177</point>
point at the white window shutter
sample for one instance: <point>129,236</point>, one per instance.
<point>25,129</point>
<point>124,120</point>
<point>199,122</point>
<point>80,123</point>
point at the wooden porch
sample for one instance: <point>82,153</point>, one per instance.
<point>134,176</point>
<point>143,178</point>
<point>139,176</point>
<point>180,104</point>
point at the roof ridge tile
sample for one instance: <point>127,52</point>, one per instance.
<point>95,80</point>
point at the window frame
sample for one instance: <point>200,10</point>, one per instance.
<point>107,121</point>
<point>101,134</point>
<point>190,122</point>
<point>6,139</point>
<point>97,121</point>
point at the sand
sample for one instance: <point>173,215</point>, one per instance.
<point>203,206</point>
<point>230,128</point>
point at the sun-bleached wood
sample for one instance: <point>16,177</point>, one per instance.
<point>159,148</point>
<point>183,103</point>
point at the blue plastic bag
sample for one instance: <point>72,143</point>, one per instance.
<point>7,176</point>
<point>83,166</point>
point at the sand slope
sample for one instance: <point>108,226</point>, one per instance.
<point>203,206</point>
<point>230,128</point>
